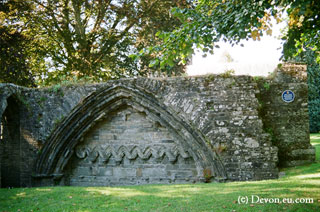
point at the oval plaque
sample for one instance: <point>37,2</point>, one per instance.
<point>287,96</point>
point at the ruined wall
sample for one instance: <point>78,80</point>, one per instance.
<point>162,130</point>
<point>137,150</point>
<point>287,123</point>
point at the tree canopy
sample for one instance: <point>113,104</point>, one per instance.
<point>313,69</point>
<point>206,22</point>
<point>13,65</point>
<point>89,38</point>
<point>303,29</point>
<point>108,39</point>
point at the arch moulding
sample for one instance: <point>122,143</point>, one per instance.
<point>61,144</point>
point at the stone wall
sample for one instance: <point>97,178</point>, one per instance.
<point>128,148</point>
<point>287,123</point>
<point>160,130</point>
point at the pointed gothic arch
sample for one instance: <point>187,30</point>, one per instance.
<point>10,143</point>
<point>61,144</point>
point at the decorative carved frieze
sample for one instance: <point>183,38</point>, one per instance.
<point>131,152</point>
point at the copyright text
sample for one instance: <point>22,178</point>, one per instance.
<point>255,199</point>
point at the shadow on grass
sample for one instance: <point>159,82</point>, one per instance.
<point>196,197</point>
<point>299,182</point>
<point>192,197</point>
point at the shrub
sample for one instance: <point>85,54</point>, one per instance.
<point>314,115</point>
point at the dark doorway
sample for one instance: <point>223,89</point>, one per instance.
<point>10,145</point>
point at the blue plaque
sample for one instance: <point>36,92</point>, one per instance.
<point>287,96</point>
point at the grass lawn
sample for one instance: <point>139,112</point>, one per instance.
<point>315,141</point>
<point>299,182</point>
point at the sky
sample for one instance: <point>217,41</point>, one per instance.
<point>256,58</point>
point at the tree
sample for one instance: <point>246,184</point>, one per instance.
<point>14,66</point>
<point>303,29</point>
<point>93,38</point>
<point>313,69</point>
<point>208,22</point>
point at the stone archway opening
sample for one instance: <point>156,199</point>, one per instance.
<point>10,145</point>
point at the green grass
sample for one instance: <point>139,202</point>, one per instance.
<point>315,141</point>
<point>299,182</point>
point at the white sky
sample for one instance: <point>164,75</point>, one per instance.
<point>256,58</point>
